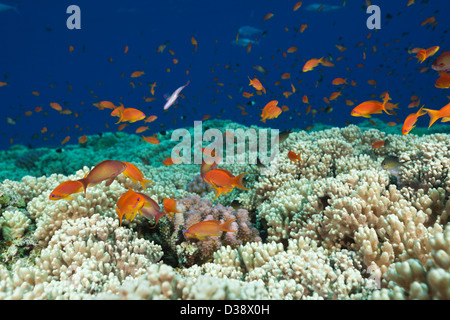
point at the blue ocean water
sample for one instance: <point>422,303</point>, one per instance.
<point>35,56</point>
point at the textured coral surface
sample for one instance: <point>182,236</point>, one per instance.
<point>334,225</point>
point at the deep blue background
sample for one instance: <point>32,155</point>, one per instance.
<point>34,52</point>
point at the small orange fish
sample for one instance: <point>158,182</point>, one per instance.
<point>137,74</point>
<point>297,6</point>
<point>128,205</point>
<point>194,43</point>
<point>303,28</point>
<point>268,16</point>
<point>335,95</point>
<point>410,121</point>
<point>82,139</point>
<point>152,88</point>
<point>292,49</point>
<point>44,130</point>
<point>294,156</point>
<point>2,84</point>
<point>151,140</point>
<point>66,139</point>
<point>311,64</point>
<point>270,111</point>
<point>381,143</point>
<point>204,229</point>
<point>339,81</point>
<point>170,206</point>
<point>56,106</point>
<point>257,85</point>
<point>170,162</point>
<point>65,190</point>
<point>141,129</point>
<point>107,105</point>
<point>129,115</point>
<point>223,181</point>
<point>209,163</point>
<point>305,99</point>
<point>135,174</point>
<point>106,170</point>
<point>367,108</point>
<point>151,119</point>
<point>247,95</point>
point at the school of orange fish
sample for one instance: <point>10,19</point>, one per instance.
<point>223,181</point>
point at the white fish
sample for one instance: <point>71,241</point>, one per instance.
<point>5,7</point>
<point>174,97</point>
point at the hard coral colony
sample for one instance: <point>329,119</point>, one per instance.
<point>356,212</point>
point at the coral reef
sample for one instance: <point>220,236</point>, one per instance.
<point>334,225</point>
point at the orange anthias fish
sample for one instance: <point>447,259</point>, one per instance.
<point>270,111</point>
<point>209,228</point>
<point>443,82</point>
<point>151,209</point>
<point>223,181</point>
<point>170,161</point>
<point>129,204</point>
<point>379,144</point>
<point>294,156</point>
<point>137,74</point>
<point>56,106</point>
<point>106,170</point>
<point>257,85</point>
<point>410,121</point>
<point>367,108</point>
<point>311,64</point>
<point>151,140</point>
<point>135,174</point>
<point>435,115</point>
<point>209,164</point>
<point>129,115</point>
<point>65,190</point>
<point>170,206</point>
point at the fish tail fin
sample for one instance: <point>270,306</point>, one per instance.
<point>239,181</point>
<point>386,99</point>
<point>263,120</point>
<point>226,226</point>
<point>251,81</point>
<point>85,183</point>
<point>434,116</point>
<point>120,118</point>
<point>421,112</point>
<point>120,217</point>
<point>144,183</point>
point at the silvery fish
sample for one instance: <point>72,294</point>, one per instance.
<point>244,42</point>
<point>248,32</point>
